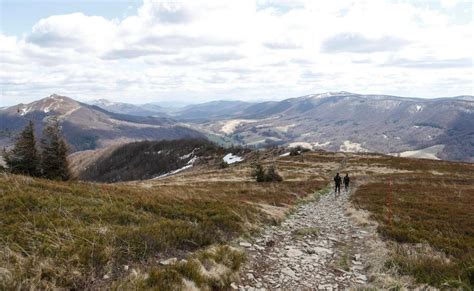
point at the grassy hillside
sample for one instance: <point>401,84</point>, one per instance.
<point>85,235</point>
<point>432,206</point>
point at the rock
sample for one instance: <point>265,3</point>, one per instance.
<point>245,244</point>
<point>169,261</point>
<point>310,251</point>
<point>362,277</point>
<point>357,257</point>
<point>325,287</point>
<point>294,253</point>
<point>234,286</point>
<point>270,243</point>
<point>250,276</point>
<point>106,276</point>
<point>288,271</point>
<point>125,268</point>
<point>259,248</point>
<point>323,250</point>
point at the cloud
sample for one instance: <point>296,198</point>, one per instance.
<point>247,49</point>
<point>281,45</point>
<point>134,52</point>
<point>76,31</point>
<point>357,43</point>
<point>165,11</point>
<point>431,63</point>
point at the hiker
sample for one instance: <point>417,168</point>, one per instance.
<point>346,182</point>
<point>337,182</point>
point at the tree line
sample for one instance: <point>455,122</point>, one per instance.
<point>49,161</point>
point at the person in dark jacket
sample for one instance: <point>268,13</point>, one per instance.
<point>346,182</point>
<point>337,183</point>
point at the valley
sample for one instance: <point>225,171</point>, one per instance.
<point>332,121</point>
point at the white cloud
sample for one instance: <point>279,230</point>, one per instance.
<point>242,49</point>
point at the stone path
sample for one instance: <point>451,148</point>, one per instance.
<point>317,247</point>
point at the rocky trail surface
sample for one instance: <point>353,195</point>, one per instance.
<point>319,246</point>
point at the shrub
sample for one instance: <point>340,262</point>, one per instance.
<point>261,174</point>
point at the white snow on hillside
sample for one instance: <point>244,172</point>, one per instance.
<point>188,165</point>
<point>285,155</point>
<point>300,144</point>
<point>349,146</point>
<point>25,111</point>
<point>231,159</point>
<point>426,153</point>
<point>418,108</point>
<point>321,145</point>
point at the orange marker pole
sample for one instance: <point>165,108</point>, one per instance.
<point>389,202</point>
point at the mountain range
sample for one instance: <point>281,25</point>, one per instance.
<point>334,121</point>
<point>88,126</point>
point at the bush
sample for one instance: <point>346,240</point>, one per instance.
<point>266,175</point>
<point>223,165</point>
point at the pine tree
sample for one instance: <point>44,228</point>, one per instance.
<point>23,158</point>
<point>54,164</point>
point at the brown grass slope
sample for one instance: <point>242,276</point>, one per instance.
<point>432,206</point>
<point>85,235</point>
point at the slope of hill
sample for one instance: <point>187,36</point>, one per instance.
<point>88,127</point>
<point>212,110</point>
<point>149,159</point>
<point>353,122</point>
<point>97,236</point>
<point>135,235</point>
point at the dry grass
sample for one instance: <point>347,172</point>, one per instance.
<point>429,209</point>
<point>82,235</point>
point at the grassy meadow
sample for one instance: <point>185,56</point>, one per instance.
<point>86,235</point>
<point>432,206</point>
<point>80,235</point>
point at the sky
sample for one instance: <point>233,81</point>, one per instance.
<point>200,50</point>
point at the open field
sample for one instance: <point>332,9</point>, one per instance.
<point>87,235</point>
<point>432,206</point>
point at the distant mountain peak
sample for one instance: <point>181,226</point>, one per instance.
<point>330,94</point>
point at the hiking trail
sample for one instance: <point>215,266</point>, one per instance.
<point>319,246</point>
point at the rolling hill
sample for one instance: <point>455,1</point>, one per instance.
<point>343,121</point>
<point>87,126</point>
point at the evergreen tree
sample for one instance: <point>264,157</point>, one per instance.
<point>54,164</point>
<point>23,158</point>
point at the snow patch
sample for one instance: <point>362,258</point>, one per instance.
<point>321,145</point>
<point>188,165</point>
<point>285,155</point>
<point>301,144</point>
<point>385,136</point>
<point>349,146</point>
<point>426,153</point>
<point>231,159</point>
<point>419,108</point>
<point>25,111</point>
